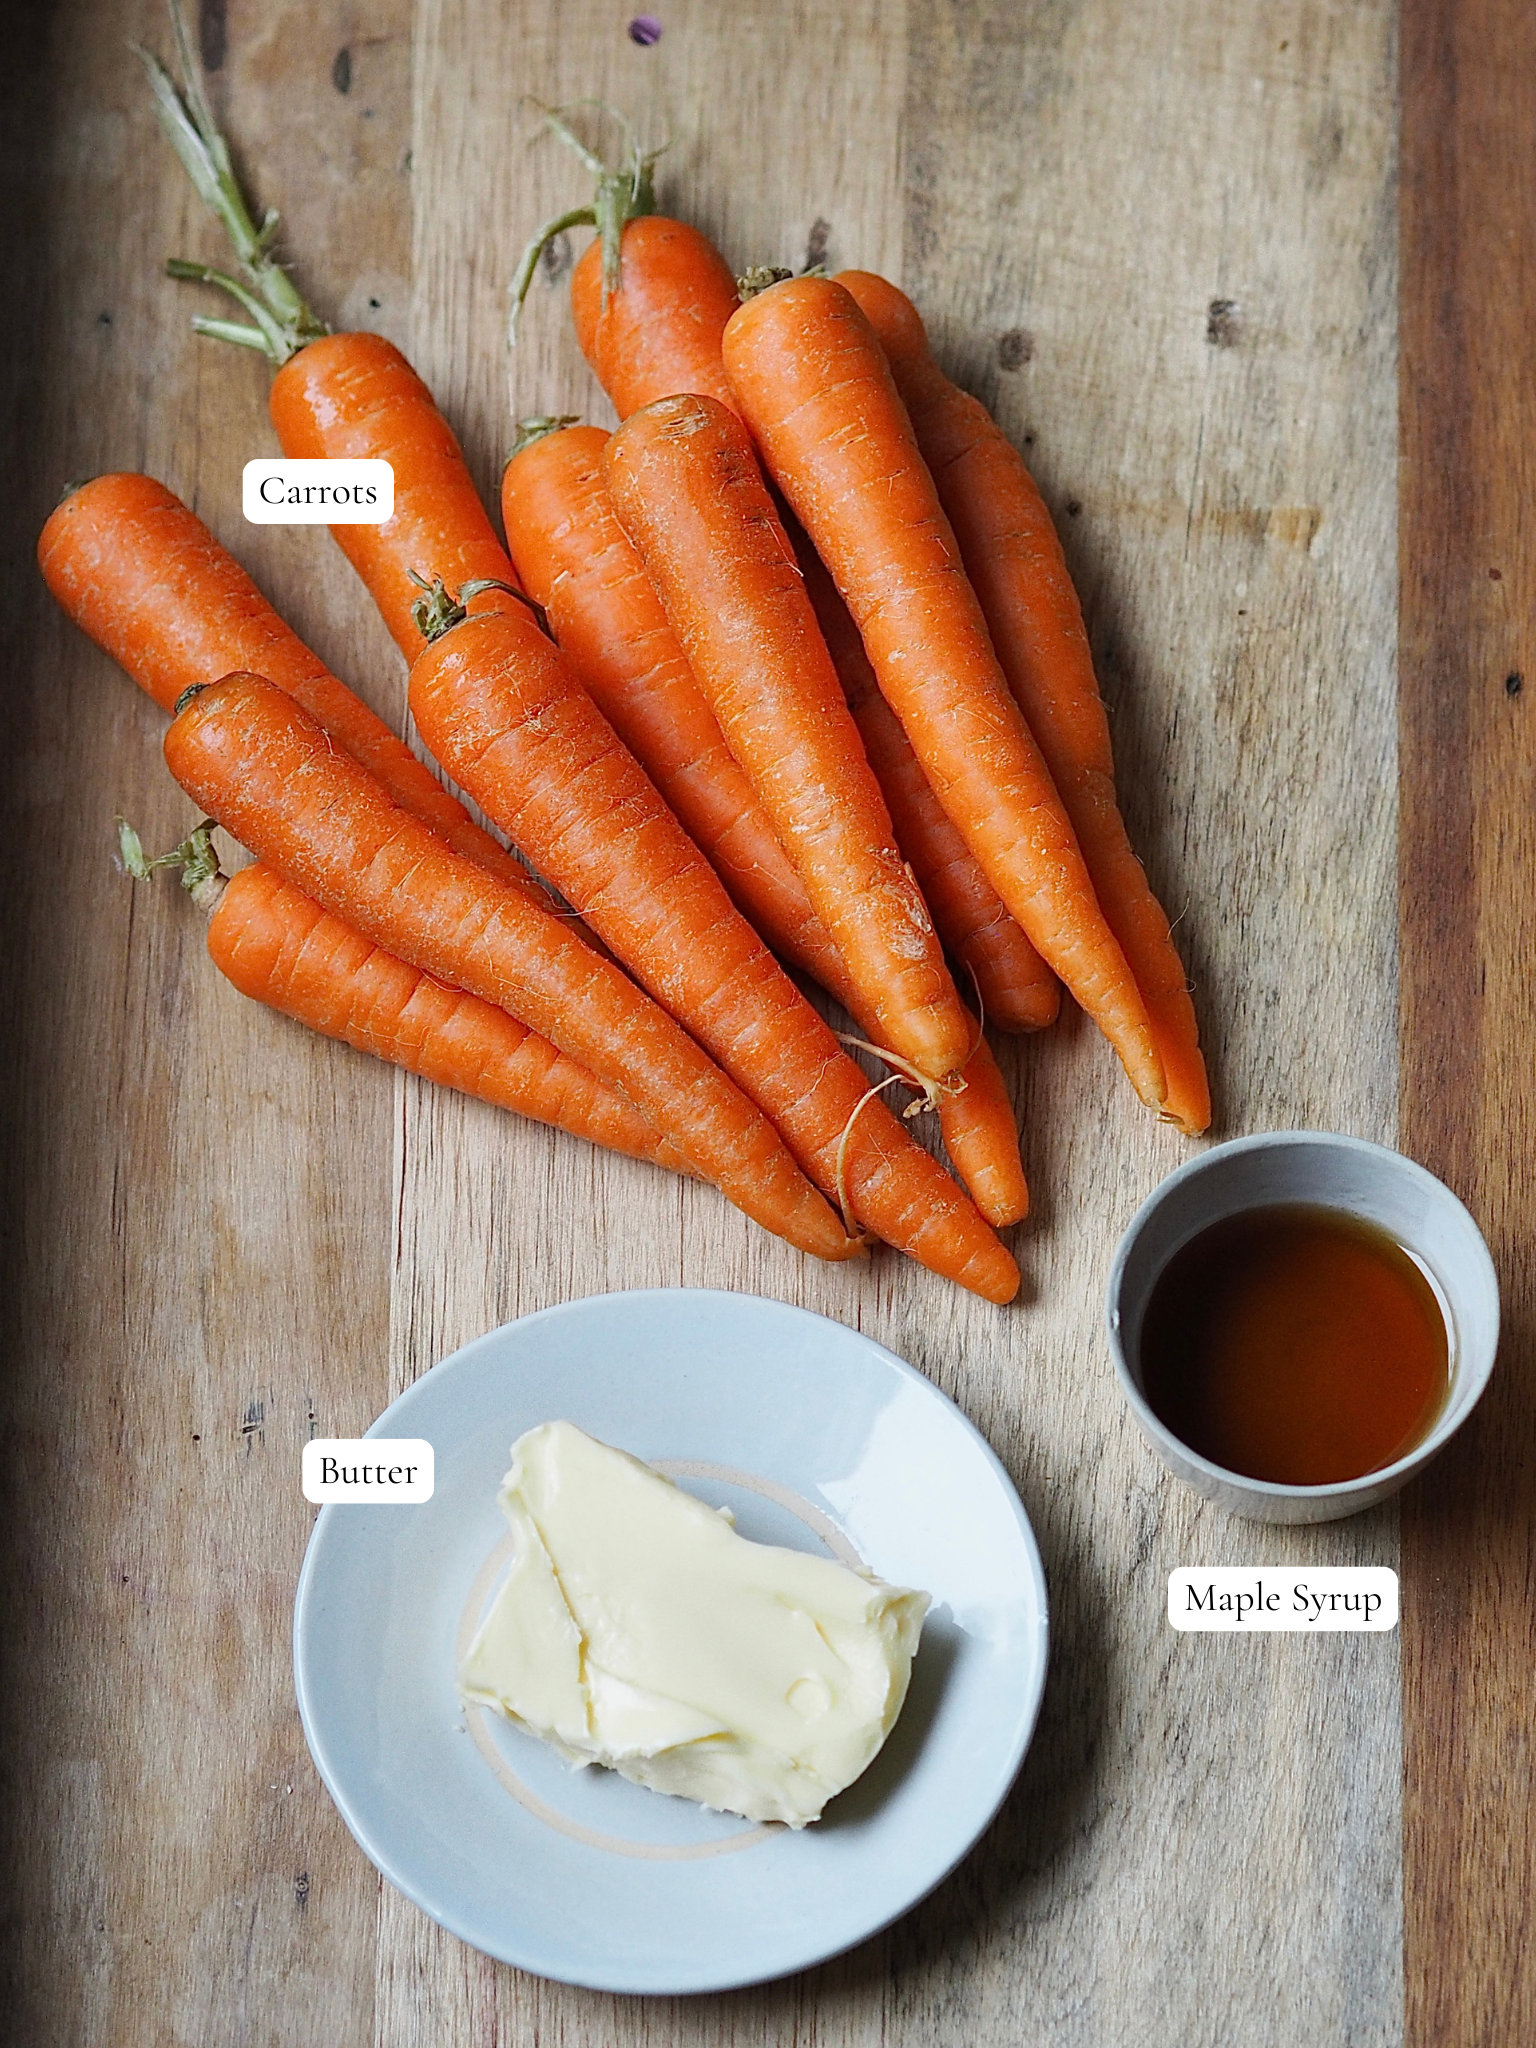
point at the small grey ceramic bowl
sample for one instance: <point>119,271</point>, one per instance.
<point>1329,1172</point>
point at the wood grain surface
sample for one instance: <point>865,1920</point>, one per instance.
<point>1162,245</point>
<point>1468,751</point>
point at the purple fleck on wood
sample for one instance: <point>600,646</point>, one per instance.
<point>645,29</point>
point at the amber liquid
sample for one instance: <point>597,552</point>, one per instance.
<point>1296,1345</point>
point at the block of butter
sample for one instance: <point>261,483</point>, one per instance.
<point>636,1629</point>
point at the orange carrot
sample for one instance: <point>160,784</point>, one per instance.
<point>577,562</point>
<point>1018,991</point>
<point>650,296</point>
<point>282,950</point>
<point>814,387</point>
<point>983,1144</point>
<point>259,765</point>
<point>657,332</point>
<point>356,395</point>
<point>149,583</point>
<point>496,703</point>
<point>651,300</point>
<point>1013,557</point>
<point>687,490</point>
<point>143,576</point>
<point>334,394</point>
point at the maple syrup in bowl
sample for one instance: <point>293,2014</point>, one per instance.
<point>1300,1321</point>
<point>1295,1343</point>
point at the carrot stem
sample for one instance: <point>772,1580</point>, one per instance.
<point>622,196</point>
<point>201,876</point>
<point>437,611</point>
<point>759,278</point>
<point>267,334</point>
<point>538,429</point>
<point>283,318</point>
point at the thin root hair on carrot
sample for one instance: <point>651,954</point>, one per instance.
<point>981,1009</point>
<point>929,1091</point>
<point>841,1179</point>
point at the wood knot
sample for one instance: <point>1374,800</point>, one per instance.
<point>1015,348</point>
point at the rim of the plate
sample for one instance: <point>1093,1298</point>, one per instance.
<point>444,1913</point>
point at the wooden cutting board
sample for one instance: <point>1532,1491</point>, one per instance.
<point>1272,372</point>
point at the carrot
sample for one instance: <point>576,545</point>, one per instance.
<point>651,300</point>
<point>278,947</point>
<point>577,562</point>
<point>816,392</point>
<point>259,765</point>
<point>657,331</point>
<point>675,287</point>
<point>650,296</point>
<point>356,395</point>
<point>1014,560</point>
<point>143,576</point>
<point>1018,991</point>
<point>495,701</point>
<point>687,490</point>
<point>330,391</point>
<point>334,394</point>
<point>281,949</point>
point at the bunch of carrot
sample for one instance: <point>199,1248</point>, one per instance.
<point>739,705</point>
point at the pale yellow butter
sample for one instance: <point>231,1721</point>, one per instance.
<point>636,1629</point>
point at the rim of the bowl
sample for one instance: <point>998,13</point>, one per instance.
<point>1273,1489</point>
<point>728,1979</point>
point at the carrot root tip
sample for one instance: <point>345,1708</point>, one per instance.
<point>841,1176</point>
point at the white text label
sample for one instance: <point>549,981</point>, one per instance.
<point>279,492</point>
<point>389,1470</point>
<point>1303,1599</point>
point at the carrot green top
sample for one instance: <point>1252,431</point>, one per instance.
<point>621,196</point>
<point>280,321</point>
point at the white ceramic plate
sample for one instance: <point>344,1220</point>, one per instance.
<point>816,1438</point>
